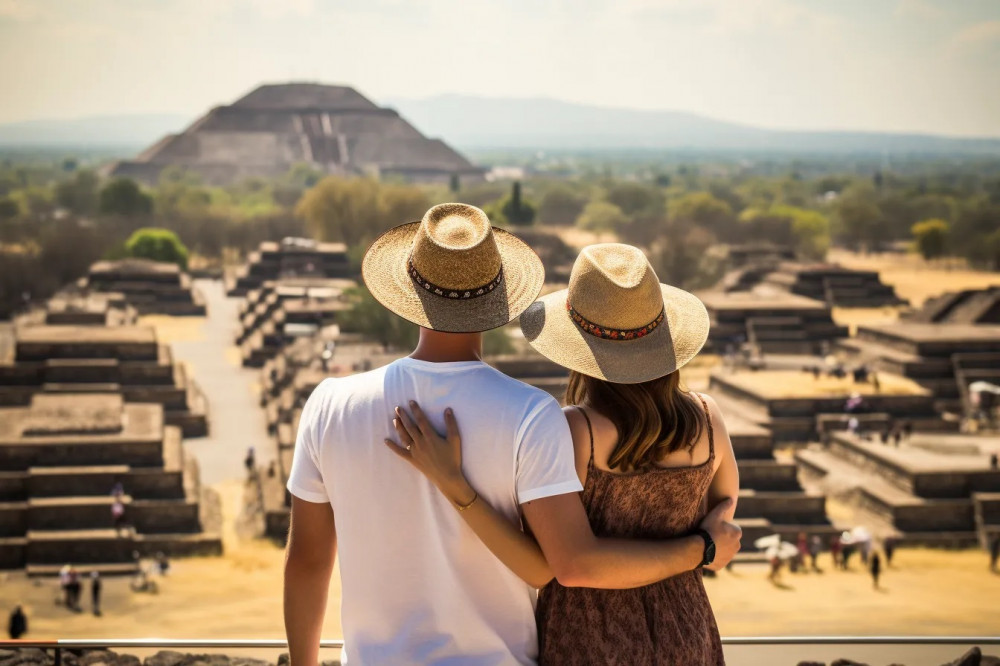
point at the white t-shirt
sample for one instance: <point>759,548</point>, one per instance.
<point>418,585</point>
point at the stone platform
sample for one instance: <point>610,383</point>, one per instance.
<point>772,320</point>
<point>123,359</point>
<point>291,258</point>
<point>832,284</point>
<point>971,306</point>
<point>61,456</point>
<point>794,405</point>
<point>279,312</point>
<point>151,287</point>
<point>933,489</point>
<point>944,358</point>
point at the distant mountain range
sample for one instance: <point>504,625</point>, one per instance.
<point>507,123</point>
<point>132,131</point>
<point>478,122</point>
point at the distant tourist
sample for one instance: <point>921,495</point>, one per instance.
<point>853,425</point>
<point>875,567</point>
<point>17,626</point>
<point>250,462</point>
<point>118,514</point>
<point>162,564</point>
<point>889,547</point>
<point>95,592</point>
<point>866,550</point>
<point>845,555</point>
<point>419,585</point>
<point>815,546</point>
<point>272,470</point>
<point>897,435</point>
<point>884,436</point>
<point>835,550</point>
<point>876,384</point>
<point>994,461</point>
<point>774,575</point>
<point>802,543</point>
<point>118,490</point>
<point>73,589</point>
<point>995,553</point>
<point>907,429</point>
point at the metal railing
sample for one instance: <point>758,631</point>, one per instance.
<point>95,643</point>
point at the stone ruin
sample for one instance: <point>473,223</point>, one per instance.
<point>281,311</point>
<point>81,308</point>
<point>292,258</point>
<point>942,357</point>
<point>151,287</point>
<point>832,284</point>
<point>770,321</point>
<point>60,457</point>
<point>970,307</point>
<point>275,127</point>
<point>128,360</point>
<point>932,489</point>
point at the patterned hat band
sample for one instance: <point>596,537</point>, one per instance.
<point>606,333</point>
<point>459,294</point>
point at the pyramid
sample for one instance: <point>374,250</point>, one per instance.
<point>276,126</point>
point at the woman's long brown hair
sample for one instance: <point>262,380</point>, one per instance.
<point>653,419</point>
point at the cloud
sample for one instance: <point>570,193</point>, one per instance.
<point>732,16</point>
<point>919,9</point>
<point>978,33</point>
<point>20,10</point>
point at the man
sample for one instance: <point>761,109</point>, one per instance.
<point>418,586</point>
<point>95,593</point>
<point>17,626</point>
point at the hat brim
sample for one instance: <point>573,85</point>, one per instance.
<point>383,270</point>
<point>548,327</point>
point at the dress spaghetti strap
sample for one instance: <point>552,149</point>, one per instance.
<point>711,431</point>
<point>590,430</point>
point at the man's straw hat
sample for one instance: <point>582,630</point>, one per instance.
<point>453,271</point>
<point>616,321</point>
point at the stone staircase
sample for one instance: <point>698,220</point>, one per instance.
<point>924,497</point>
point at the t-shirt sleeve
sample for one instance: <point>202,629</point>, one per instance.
<point>545,458</point>
<point>306,478</point>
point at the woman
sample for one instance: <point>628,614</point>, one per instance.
<point>652,458</point>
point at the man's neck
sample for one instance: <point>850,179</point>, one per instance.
<point>439,347</point>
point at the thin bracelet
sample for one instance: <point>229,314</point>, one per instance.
<point>463,507</point>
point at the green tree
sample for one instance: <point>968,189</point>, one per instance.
<point>686,262</point>
<point>857,216</point>
<point>704,210</point>
<point>600,216</point>
<point>561,206</point>
<point>636,199</point>
<point>356,210</point>
<point>123,196</point>
<point>158,245</point>
<point>79,193</point>
<point>9,208</point>
<point>811,230</point>
<point>368,317</point>
<point>931,237</point>
<point>516,210</point>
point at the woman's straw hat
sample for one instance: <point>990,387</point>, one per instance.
<point>616,321</point>
<point>453,271</point>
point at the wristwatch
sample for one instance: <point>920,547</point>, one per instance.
<point>709,555</point>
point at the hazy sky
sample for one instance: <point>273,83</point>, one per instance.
<point>899,65</point>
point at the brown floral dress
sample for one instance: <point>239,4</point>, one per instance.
<point>667,623</point>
